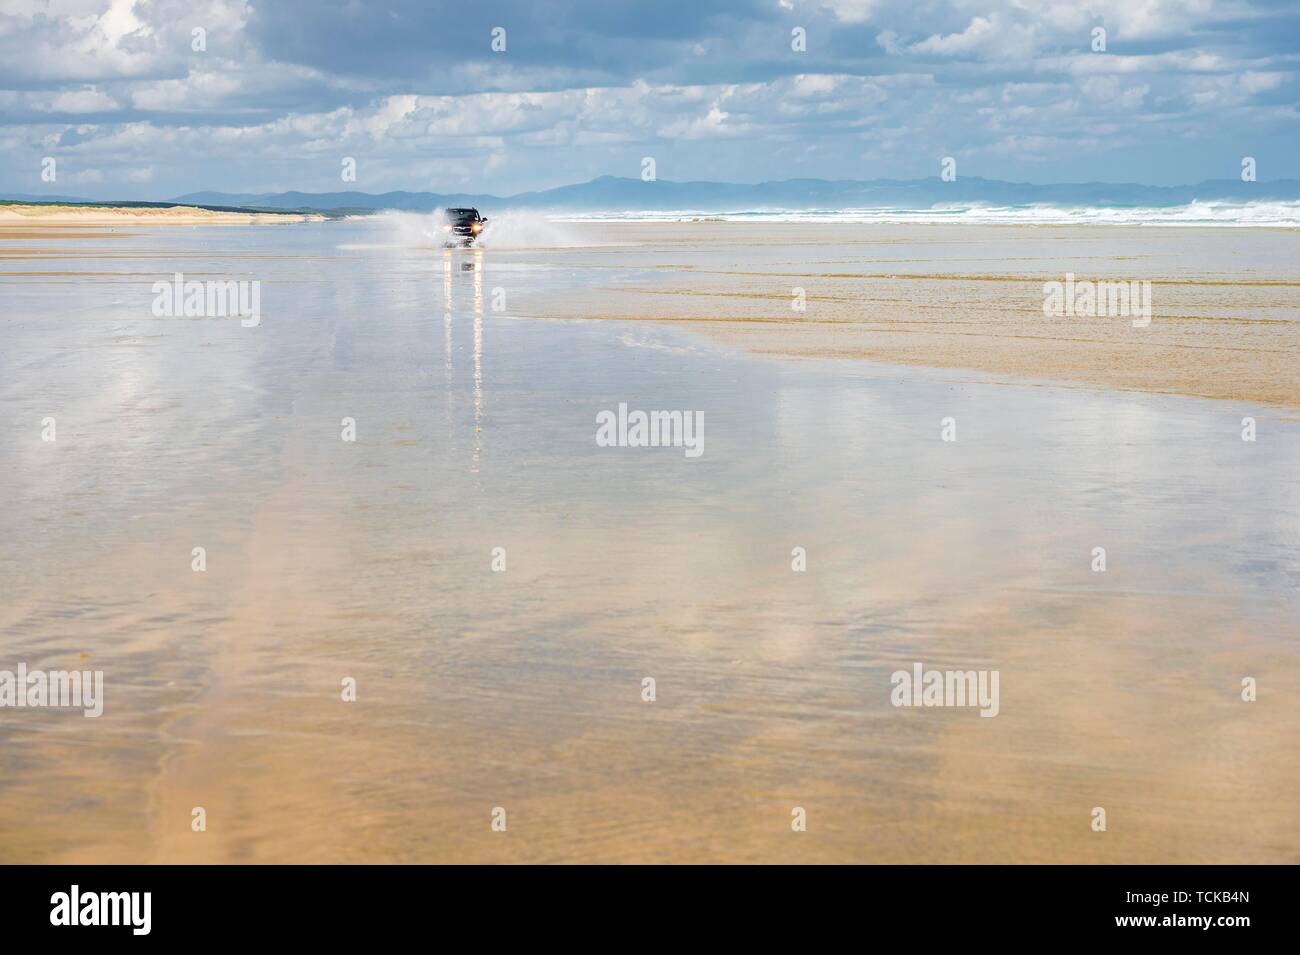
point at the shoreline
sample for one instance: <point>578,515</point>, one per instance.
<point>745,336</point>
<point>1222,323</point>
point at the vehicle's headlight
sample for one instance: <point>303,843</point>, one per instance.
<point>446,228</point>
<point>477,227</point>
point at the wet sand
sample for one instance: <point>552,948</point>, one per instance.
<point>522,689</point>
<point>1226,301</point>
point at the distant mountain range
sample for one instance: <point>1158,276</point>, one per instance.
<point>614,194</point>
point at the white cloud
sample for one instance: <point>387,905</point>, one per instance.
<point>997,78</point>
<point>88,100</point>
<point>976,35</point>
<point>851,11</point>
<point>1259,82</point>
<point>994,35</point>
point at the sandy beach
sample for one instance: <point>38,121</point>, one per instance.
<point>1225,302</point>
<point>520,686</point>
<point>33,220</point>
<point>1225,319</point>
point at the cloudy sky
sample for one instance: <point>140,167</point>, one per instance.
<point>117,94</point>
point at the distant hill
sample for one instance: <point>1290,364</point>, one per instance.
<point>614,194</point>
<point>610,193</point>
<point>18,197</point>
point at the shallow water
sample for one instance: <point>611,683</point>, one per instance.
<point>522,689</point>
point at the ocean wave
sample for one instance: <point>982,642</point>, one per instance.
<point>1274,214</point>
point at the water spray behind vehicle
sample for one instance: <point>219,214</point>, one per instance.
<point>461,227</point>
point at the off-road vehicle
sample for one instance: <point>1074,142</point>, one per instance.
<point>462,226</point>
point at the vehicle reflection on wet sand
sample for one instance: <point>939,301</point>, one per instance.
<point>372,560</point>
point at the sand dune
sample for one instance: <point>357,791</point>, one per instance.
<point>40,215</point>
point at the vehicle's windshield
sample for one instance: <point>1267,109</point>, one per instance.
<point>462,213</point>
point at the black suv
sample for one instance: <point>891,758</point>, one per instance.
<point>462,226</point>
